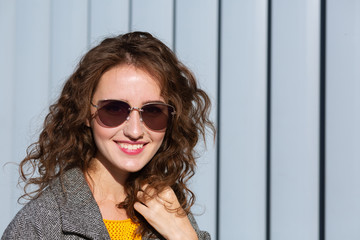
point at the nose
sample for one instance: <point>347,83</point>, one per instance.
<point>133,127</point>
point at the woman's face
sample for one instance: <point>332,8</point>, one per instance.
<point>130,146</point>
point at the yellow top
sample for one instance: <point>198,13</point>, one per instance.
<point>122,229</point>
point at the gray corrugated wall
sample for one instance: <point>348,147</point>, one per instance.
<point>284,77</point>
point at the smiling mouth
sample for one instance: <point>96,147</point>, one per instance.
<point>131,149</point>
<point>131,146</point>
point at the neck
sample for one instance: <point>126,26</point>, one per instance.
<point>105,184</point>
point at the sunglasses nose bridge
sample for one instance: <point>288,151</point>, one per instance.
<point>140,110</point>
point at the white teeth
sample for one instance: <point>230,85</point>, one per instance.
<point>131,146</point>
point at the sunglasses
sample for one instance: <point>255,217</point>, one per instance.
<point>112,113</point>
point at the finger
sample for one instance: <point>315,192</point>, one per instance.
<point>168,195</point>
<point>152,199</point>
<point>169,198</point>
<point>141,208</point>
<point>140,194</point>
<point>141,198</point>
<point>144,187</point>
<point>149,196</point>
<point>148,190</point>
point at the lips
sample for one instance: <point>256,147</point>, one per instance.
<point>131,148</point>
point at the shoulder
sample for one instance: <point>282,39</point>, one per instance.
<point>37,217</point>
<point>65,208</point>
<point>202,235</point>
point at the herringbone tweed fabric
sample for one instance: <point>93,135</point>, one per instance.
<point>66,210</point>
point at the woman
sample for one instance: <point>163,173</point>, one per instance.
<point>117,149</point>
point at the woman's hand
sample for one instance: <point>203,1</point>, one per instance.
<point>160,212</point>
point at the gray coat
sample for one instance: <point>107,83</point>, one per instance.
<point>73,214</point>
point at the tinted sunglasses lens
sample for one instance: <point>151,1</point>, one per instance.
<point>156,116</point>
<point>113,113</point>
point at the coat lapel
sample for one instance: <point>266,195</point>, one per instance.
<point>79,211</point>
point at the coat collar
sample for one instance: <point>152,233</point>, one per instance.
<point>79,211</point>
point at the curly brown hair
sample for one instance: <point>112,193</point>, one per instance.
<point>66,141</point>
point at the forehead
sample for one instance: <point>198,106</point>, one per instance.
<point>129,83</point>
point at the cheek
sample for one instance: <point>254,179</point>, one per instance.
<point>158,138</point>
<point>100,133</point>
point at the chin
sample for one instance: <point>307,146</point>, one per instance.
<point>133,169</point>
